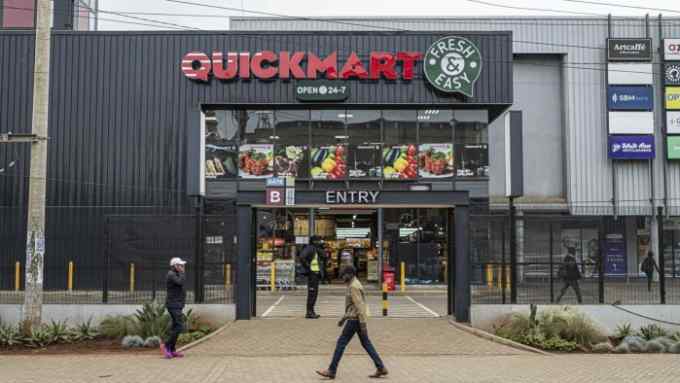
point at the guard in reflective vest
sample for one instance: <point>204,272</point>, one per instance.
<point>312,262</point>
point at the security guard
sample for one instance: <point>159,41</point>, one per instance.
<point>313,265</point>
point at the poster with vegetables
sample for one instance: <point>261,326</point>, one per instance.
<point>256,161</point>
<point>436,160</point>
<point>329,162</point>
<point>220,161</point>
<point>400,162</point>
<point>289,161</point>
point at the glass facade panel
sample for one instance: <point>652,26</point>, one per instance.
<point>471,143</point>
<point>329,145</point>
<point>363,128</point>
<point>221,149</point>
<point>291,154</point>
<point>18,13</point>
<point>400,127</point>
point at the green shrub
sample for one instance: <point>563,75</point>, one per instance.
<point>655,347</point>
<point>152,342</point>
<point>557,344</point>
<point>582,330</point>
<point>59,332</point>
<point>675,349</point>
<point>622,348</point>
<point>666,342</point>
<point>603,348</point>
<point>513,327</point>
<point>623,330</point>
<point>84,331</point>
<point>10,335</point>
<point>189,337</point>
<point>635,343</point>
<point>651,331</point>
<point>152,320</point>
<point>676,336</point>
<point>38,338</point>
<point>119,326</point>
<point>132,341</point>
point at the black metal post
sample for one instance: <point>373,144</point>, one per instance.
<point>601,260</point>
<point>513,252</point>
<point>462,283</point>
<point>198,253</point>
<point>504,280</point>
<point>550,275</point>
<point>451,264</point>
<point>673,251</point>
<point>244,263</point>
<point>107,262</point>
<point>662,257</point>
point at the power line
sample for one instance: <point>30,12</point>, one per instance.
<point>147,19</point>
<point>624,6</point>
<point>490,4</point>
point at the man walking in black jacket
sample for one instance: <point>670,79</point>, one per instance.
<point>313,265</point>
<point>175,300</point>
<point>570,274</point>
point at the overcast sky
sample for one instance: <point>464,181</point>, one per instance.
<point>207,18</point>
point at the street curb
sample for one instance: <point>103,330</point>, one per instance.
<point>205,338</point>
<point>497,339</point>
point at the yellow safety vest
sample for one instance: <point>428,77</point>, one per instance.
<point>314,266</point>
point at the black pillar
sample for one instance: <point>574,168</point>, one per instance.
<point>244,263</point>
<point>451,265</point>
<point>662,257</point>
<point>462,281</point>
<point>513,251</point>
<point>199,254</point>
<point>63,14</point>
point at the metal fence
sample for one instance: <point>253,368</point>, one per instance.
<point>602,246</point>
<point>121,256</point>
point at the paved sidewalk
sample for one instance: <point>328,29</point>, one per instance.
<point>289,350</point>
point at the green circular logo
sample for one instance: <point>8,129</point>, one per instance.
<point>452,64</point>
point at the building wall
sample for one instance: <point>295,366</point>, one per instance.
<point>538,94</point>
<point>589,177</point>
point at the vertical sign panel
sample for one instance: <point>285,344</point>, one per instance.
<point>514,155</point>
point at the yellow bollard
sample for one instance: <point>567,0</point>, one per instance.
<point>385,302</point>
<point>132,277</point>
<point>70,276</point>
<point>507,277</point>
<point>403,277</point>
<point>17,276</point>
<point>489,275</point>
<point>272,281</point>
<point>227,275</point>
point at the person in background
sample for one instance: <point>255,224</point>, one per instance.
<point>312,264</point>
<point>570,274</point>
<point>174,303</point>
<point>354,320</point>
<point>648,266</point>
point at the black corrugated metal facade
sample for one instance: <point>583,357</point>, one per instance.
<point>119,106</point>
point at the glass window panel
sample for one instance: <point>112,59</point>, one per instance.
<point>328,156</point>
<point>400,127</point>
<point>18,13</point>
<point>291,150</point>
<point>471,138</point>
<point>435,126</point>
<point>221,152</point>
<point>363,127</point>
<point>256,126</point>
<point>432,246</point>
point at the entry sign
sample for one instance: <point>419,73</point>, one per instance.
<point>631,147</point>
<point>630,97</point>
<point>629,49</point>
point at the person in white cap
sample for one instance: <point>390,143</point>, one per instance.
<point>174,303</point>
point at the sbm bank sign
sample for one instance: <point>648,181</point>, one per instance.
<point>452,64</point>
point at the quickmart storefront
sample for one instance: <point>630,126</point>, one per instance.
<point>370,141</point>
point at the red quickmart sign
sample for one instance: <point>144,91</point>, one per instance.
<point>299,65</point>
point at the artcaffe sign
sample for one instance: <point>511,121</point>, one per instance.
<point>453,64</point>
<point>629,49</point>
<point>352,197</point>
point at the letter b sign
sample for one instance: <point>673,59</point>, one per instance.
<point>276,196</point>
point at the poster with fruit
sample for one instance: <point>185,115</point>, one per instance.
<point>436,160</point>
<point>288,161</point>
<point>329,162</point>
<point>256,161</point>
<point>400,162</point>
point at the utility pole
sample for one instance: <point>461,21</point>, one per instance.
<point>35,233</point>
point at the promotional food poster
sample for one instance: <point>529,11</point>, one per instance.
<point>220,161</point>
<point>400,162</point>
<point>256,161</point>
<point>436,160</point>
<point>364,161</point>
<point>329,162</point>
<point>289,161</point>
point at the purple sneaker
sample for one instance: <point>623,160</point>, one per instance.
<point>177,354</point>
<point>166,353</point>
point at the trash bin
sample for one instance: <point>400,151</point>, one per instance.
<point>388,277</point>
